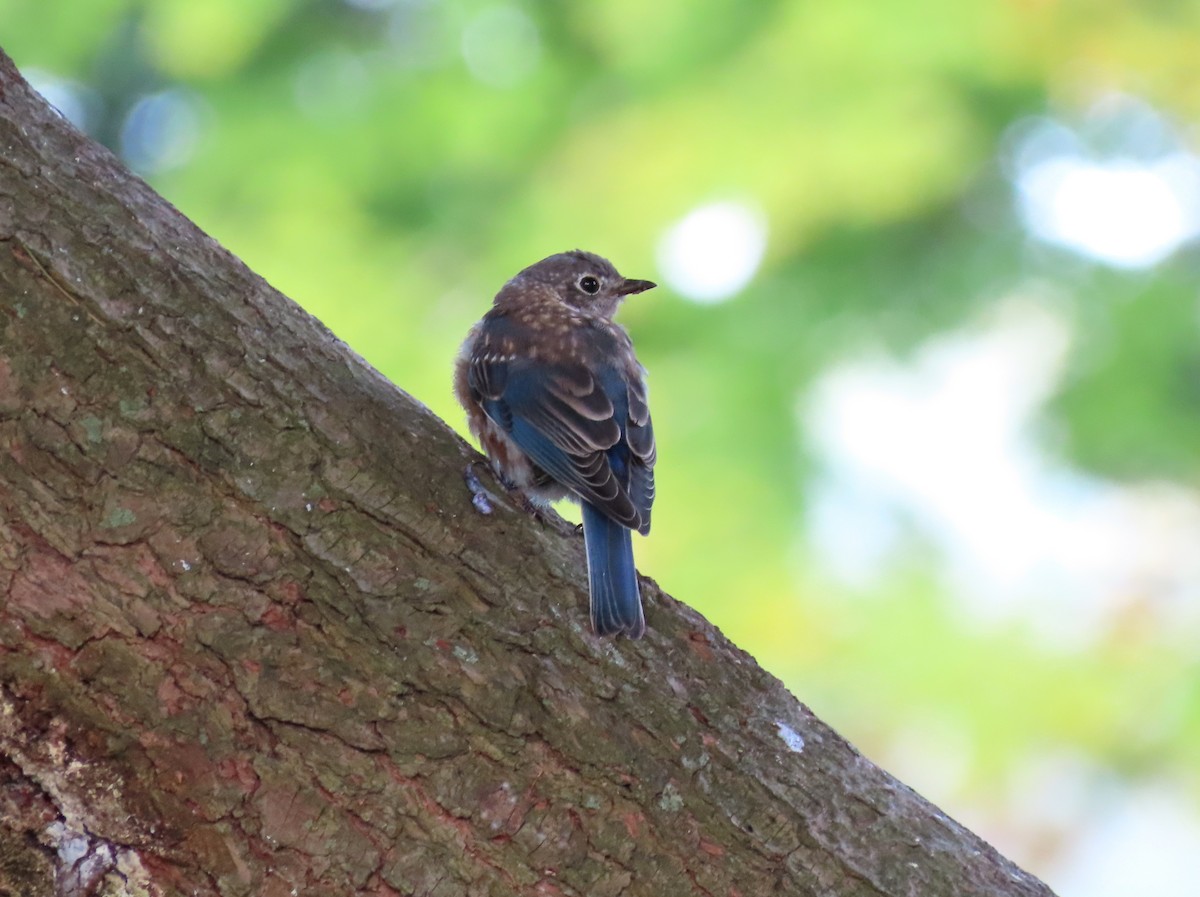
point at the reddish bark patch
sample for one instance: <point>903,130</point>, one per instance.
<point>49,586</point>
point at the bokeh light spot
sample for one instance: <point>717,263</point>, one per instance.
<point>714,251</point>
<point>501,46</point>
<point>1121,188</point>
<point>1127,214</point>
<point>161,130</point>
<point>76,103</point>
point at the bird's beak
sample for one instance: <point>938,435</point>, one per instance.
<point>629,287</point>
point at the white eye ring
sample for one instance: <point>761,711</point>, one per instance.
<point>589,284</point>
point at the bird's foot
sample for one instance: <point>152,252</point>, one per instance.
<point>529,506</point>
<point>483,500</point>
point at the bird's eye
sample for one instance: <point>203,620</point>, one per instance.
<point>589,284</point>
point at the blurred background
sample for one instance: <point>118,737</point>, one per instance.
<point>924,362</point>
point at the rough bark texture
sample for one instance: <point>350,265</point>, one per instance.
<point>256,640</point>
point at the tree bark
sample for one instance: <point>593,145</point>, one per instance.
<point>257,640</point>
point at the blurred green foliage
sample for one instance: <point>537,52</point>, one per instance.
<point>389,164</point>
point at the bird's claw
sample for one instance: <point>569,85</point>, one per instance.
<point>482,499</point>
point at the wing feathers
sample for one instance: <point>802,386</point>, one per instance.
<point>586,424</point>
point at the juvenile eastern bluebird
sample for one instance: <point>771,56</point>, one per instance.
<point>557,399</point>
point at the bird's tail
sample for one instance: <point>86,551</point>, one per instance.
<point>612,579</point>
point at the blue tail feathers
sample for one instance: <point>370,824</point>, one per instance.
<point>612,579</point>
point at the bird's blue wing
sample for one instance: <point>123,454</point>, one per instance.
<point>573,421</point>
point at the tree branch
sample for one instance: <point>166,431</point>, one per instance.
<point>258,641</point>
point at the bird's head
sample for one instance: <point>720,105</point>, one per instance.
<point>582,280</point>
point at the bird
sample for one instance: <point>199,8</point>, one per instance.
<point>557,399</point>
